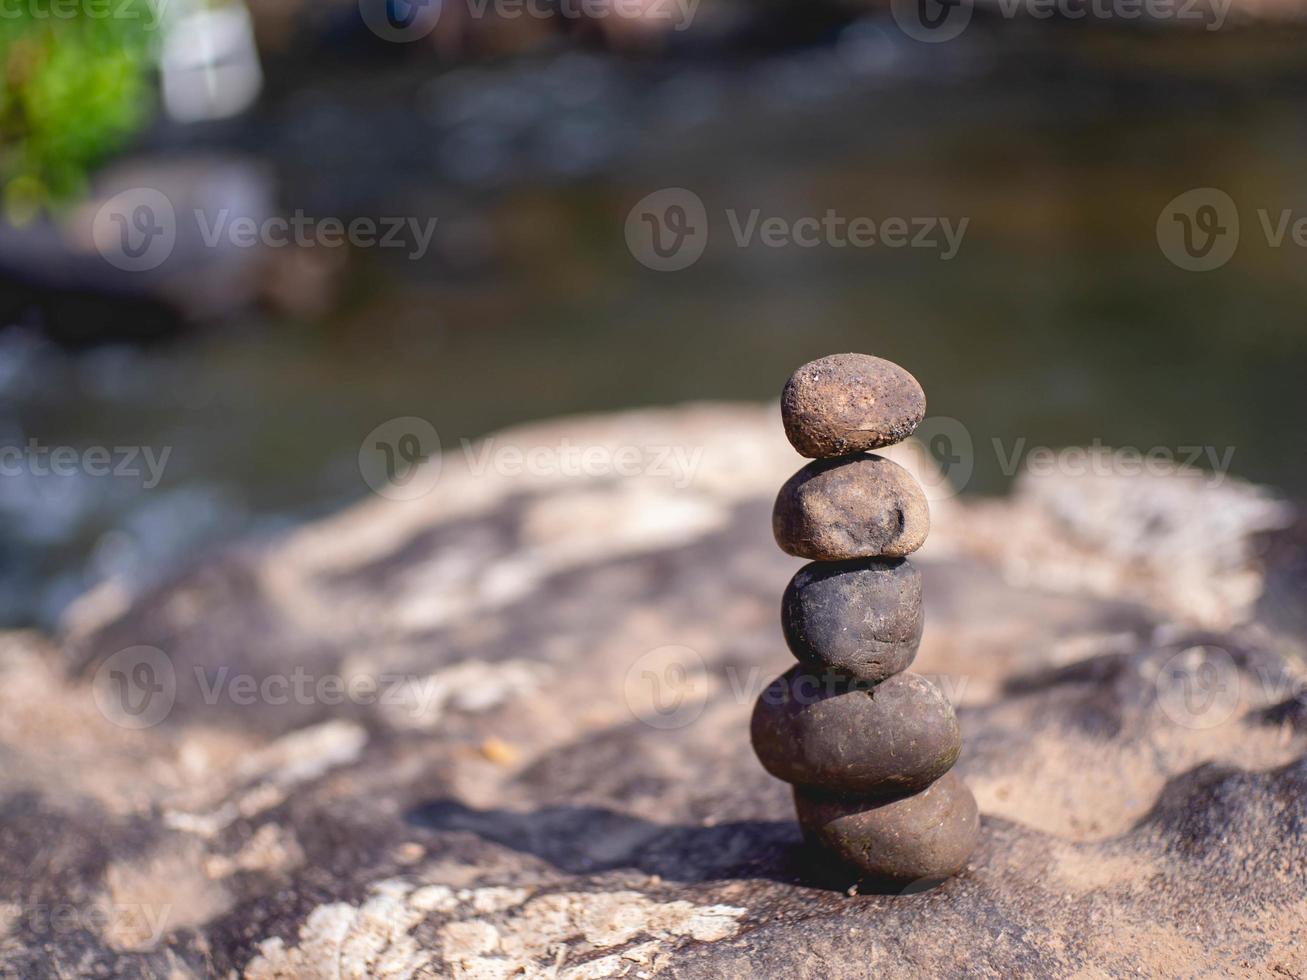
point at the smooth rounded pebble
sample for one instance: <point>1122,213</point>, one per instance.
<point>888,739</point>
<point>861,617</point>
<point>927,836</point>
<point>860,506</point>
<point>846,403</point>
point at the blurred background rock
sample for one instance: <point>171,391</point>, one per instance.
<point>1059,322</point>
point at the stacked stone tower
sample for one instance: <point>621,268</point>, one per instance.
<point>866,745</point>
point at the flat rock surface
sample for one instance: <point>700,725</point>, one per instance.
<point>502,730</point>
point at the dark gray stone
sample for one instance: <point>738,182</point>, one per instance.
<point>863,618</point>
<point>914,840</point>
<point>881,740</point>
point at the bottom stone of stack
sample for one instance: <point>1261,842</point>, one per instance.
<point>923,837</point>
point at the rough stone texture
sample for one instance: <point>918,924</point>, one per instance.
<point>863,617</point>
<point>509,815</point>
<point>854,507</point>
<point>916,840</point>
<point>885,739</point>
<point>846,403</point>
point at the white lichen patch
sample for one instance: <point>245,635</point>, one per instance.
<point>1183,540</point>
<point>490,933</point>
<point>306,754</point>
<point>470,686</point>
<point>557,935</point>
<point>271,772</point>
<point>209,824</point>
<point>341,942</point>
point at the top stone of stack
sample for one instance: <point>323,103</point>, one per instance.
<point>848,403</point>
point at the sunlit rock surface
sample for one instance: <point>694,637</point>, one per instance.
<point>502,730</point>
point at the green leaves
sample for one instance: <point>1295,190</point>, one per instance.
<point>74,85</point>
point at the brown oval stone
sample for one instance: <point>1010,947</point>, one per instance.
<point>846,403</point>
<point>861,506</point>
<point>860,617</point>
<point>888,739</point>
<point>926,836</point>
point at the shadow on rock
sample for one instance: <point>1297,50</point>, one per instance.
<point>587,840</point>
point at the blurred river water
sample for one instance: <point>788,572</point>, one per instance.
<point>1058,321</point>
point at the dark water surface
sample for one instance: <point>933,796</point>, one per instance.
<point>1058,322</point>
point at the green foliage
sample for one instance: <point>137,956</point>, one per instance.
<point>74,85</point>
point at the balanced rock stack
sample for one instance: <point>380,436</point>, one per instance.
<point>866,745</point>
